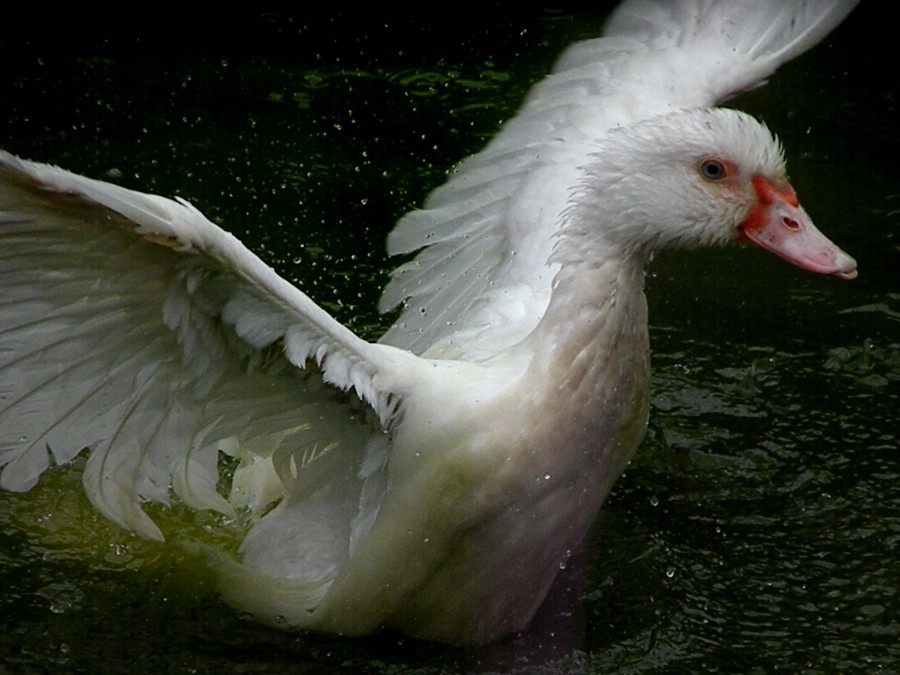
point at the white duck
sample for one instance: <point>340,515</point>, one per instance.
<point>477,441</point>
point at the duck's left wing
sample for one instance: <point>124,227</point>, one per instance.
<point>133,326</point>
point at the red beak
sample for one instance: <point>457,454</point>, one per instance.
<point>780,225</point>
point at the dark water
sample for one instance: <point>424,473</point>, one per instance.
<point>759,528</point>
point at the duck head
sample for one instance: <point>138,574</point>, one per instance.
<point>694,178</point>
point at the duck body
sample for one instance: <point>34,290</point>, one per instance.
<point>518,492</point>
<point>434,482</point>
<point>476,514</point>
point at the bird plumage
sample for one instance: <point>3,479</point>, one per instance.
<point>434,481</point>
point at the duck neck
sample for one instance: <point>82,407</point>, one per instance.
<point>590,354</point>
<point>594,331</point>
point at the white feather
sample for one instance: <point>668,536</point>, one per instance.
<point>508,200</point>
<point>439,493</point>
<point>139,340</point>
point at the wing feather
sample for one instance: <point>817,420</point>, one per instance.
<point>655,56</point>
<point>131,325</point>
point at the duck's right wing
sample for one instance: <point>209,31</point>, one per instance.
<point>699,53</point>
<point>133,326</point>
<point>480,280</point>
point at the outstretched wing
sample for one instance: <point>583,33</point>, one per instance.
<point>486,235</point>
<point>133,326</point>
<point>702,52</point>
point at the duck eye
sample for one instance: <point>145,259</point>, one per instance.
<point>713,170</point>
